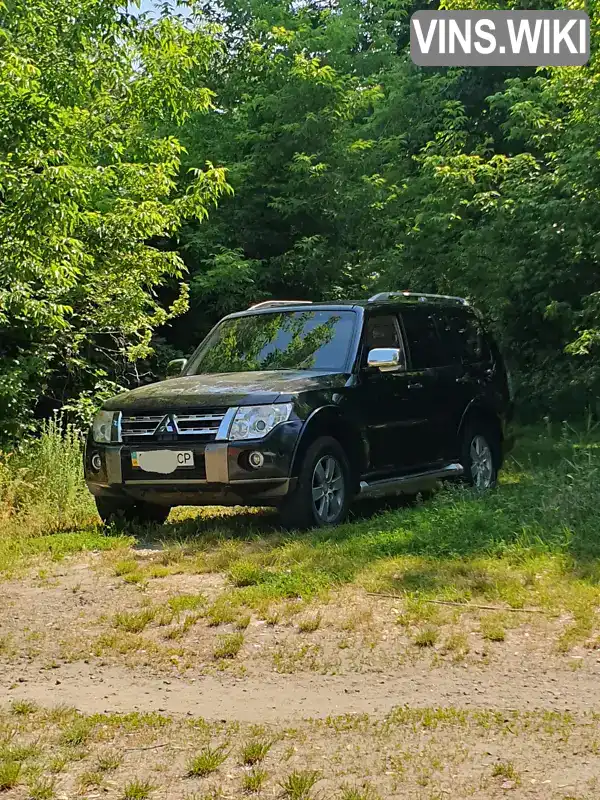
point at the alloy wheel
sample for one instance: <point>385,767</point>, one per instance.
<point>482,462</point>
<point>328,489</point>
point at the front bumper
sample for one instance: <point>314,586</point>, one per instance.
<point>221,474</point>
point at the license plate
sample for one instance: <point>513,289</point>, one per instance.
<point>162,461</point>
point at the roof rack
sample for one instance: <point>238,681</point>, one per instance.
<point>273,303</point>
<point>424,295</point>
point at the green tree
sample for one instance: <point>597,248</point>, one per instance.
<point>91,191</point>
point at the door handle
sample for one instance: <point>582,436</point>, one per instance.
<point>415,385</point>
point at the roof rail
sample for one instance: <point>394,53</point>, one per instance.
<point>390,295</point>
<point>273,303</point>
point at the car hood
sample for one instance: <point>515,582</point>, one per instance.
<point>228,389</point>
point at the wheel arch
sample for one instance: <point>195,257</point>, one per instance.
<point>329,421</point>
<point>478,412</point>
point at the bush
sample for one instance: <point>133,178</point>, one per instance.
<point>41,484</point>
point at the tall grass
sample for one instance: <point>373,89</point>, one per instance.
<point>42,489</point>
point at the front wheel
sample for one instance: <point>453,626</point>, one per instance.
<point>480,457</point>
<point>323,492</point>
<point>120,512</point>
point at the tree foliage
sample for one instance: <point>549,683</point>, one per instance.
<point>90,180</point>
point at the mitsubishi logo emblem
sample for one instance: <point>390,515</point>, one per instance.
<point>167,425</point>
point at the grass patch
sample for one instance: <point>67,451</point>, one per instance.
<point>90,780</point>
<point>288,659</point>
<point>507,771</point>
<point>310,624</point>
<point>457,644</point>
<point>418,746</point>
<point>222,612</point>
<point>228,645</point>
<point>23,707</point>
<point>41,789</point>
<point>492,628</point>
<point>125,566</point>
<point>426,637</point>
<point>208,760</point>
<point>77,733</point>
<point>577,631</point>
<point>18,551</point>
<point>178,631</point>
<point>243,621</point>
<point>254,782</point>
<point>57,764</point>
<point>137,790</point>
<point>245,573</point>
<point>54,522</point>
<point>255,751</point>
<point>186,602</point>
<point>130,644</point>
<point>10,772</point>
<point>134,621</point>
<point>131,722</point>
<point>17,751</point>
<point>109,760</point>
<point>299,784</point>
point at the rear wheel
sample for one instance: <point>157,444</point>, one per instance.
<point>480,456</point>
<point>121,512</point>
<point>322,495</point>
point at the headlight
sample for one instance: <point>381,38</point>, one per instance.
<point>254,422</point>
<point>105,428</point>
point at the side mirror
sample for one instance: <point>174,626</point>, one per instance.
<point>176,367</point>
<point>385,359</point>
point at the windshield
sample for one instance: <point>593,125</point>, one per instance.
<point>286,340</point>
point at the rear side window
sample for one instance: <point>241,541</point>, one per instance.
<point>422,336</point>
<point>462,337</point>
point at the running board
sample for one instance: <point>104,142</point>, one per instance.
<point>407,484</point>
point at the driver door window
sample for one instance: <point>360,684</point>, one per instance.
<point>383,331</point>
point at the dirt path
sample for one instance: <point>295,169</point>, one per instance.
<point>61,645</point>
<point>106,681</point>
<point>277,698</point>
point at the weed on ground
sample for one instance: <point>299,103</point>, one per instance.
<point>357,757</point>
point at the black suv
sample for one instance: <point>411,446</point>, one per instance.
<point>306,406</point>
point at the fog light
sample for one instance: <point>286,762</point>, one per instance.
<point>256,459</point>
<point>96,462</point>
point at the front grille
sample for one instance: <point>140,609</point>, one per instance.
<point>202,427</point>
<point>133,427</point>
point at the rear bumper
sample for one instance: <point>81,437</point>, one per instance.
<point>221,474</point>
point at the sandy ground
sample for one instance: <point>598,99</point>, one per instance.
<point>60,645</point>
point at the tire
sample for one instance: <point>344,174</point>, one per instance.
<point>120,512</point>
<point>480,456</point>
<point>325,464</point>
